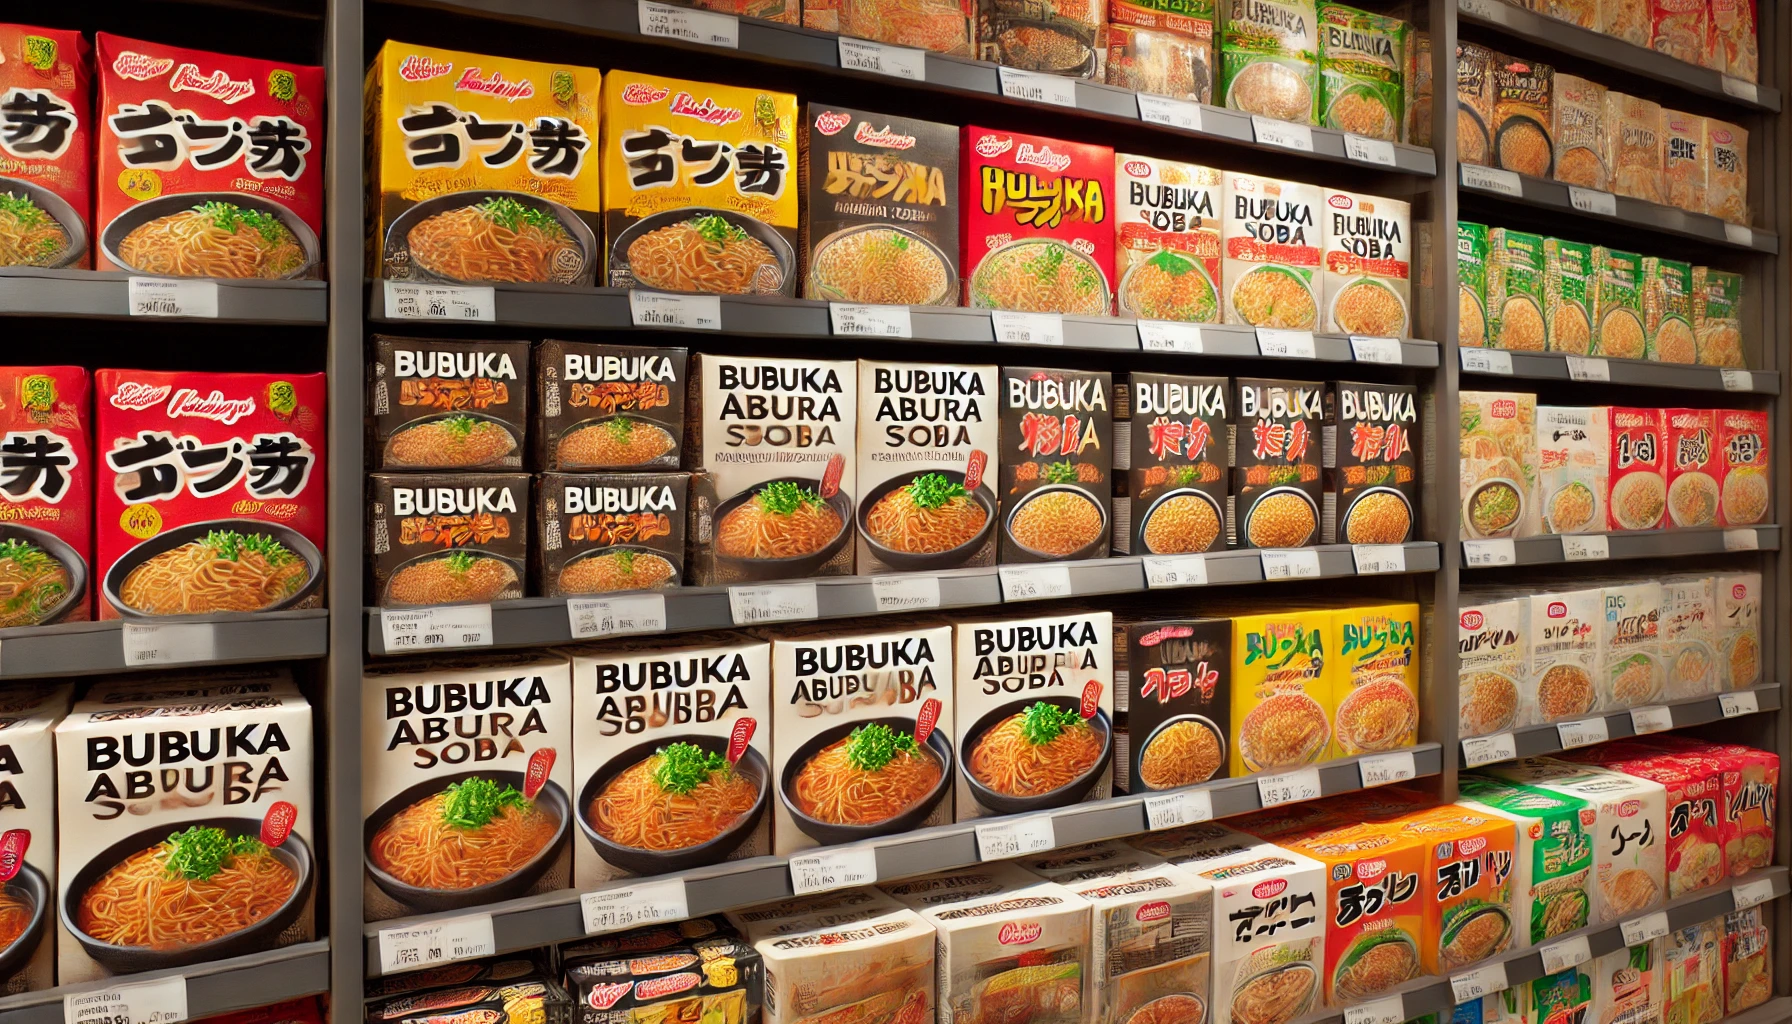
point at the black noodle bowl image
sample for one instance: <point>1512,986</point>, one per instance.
<point>452,439</point>
<point>1281,517</point>
<point>38,228</point>
<point>465,576</point>
<point>1182,751</point>
<point>132,909</point>
<point>463,840</point>
<point>615,441</point>
<point>1378,515</point>
<point>1039,275</point>
<point>673,803</point>
<point>221,565</point>
<point>621,567</point>
<point>926,520</point>
<point>1522,145</point>
<point>1183,521</point>
<point>1471,135</point>
<point>1059,521</point>
<point>491,235</point>
<point>211,234</point>
<point>697,249</point>
<point>24,916</point>
<point>1030,755</point>
<point>781,529</point>
<point>881,264</point>
<point>42,578</point>
<point>837,794</point>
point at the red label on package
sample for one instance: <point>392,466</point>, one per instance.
<point>46,146</point>
<point>277,824</point>
<point>12,852</point>
<point>541,763</point>
<point>740,737</point>
<point>1091,698</point>
<point>46,490</point>
<point>1637,496</point>
<point>928,717</point>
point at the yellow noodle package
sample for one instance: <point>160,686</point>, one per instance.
<point>1375,678</point>
<point>486,168</point>
<point>1281,692</point>
<point>1579,113</point>
<point>1683,160</point>
<point>1633,131</point>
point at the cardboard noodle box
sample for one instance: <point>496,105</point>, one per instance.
<point>1269,913</point>
<point>1552,861</point>
<point>48,146</point>
<point>1038,222</point>
<point>1171,438</point>
<point>1368,265</point>
<point>1022,951</point>
<point>1273,237</point>
<point>1152,939</point>
<point>448,405</point>
<point>1573,468</point>
<point>608,406</point>
<point>1374,899</point>
<point>1281,691</point>
<point>718,976</point>
<point>1374,671</point>
<point>447,538</point>
<point>1466,882</point>
<point>1168,241</point>
<point>28,716</point>
<point>598,533</point>
<point>1494,654</point>
<point>46,496</point>
<point>820,970</point>
<point>1567,630</point>
<point>1173,679</point>
<point>1057,464</point>
<point>1278,456</point>
<point>1090,862</point>
<point>1370,454</point>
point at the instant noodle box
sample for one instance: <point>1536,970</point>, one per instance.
<point>608,407</point>
<point>1517,287</point>
<point>1553,859</point>
<point>881,213</point>
<point>1573,460</point>
<point>1667,310</point>
<point>1731,44</point>
<point>1618,304</point>
<point>1090,862</point>
<point>1269,931</point>
<point>1678,28</point>
<point>1152,936</point>
<point>927,448</point>
<point>1465,880</point>
<point>862,734</point>
<point>1177,696</point>
<point>28,715</point>
<point>1167,224</point>
<point>773,444</point>
<point>1281,691</point>
<point>1694,851</point>
<point>1375,678</point>
<point>1493,654</point>
<point>1034,713</point>
<point>1273,240</point>
<point>1684,160</point>
<point>1631,668</point>
<point>1638,495</point>
<point>717,978</point>
<point>447,538</point>
<point>202,468</point>
<point>208,165</point>
<point>1161,61</point>
<point>1578,107</point>
<point>1371,463</point>
<point>1177,843</point>
<point>700,186</point>
<point>486,168</point>
<point>1689,636</point>
<point>1745,492</point>
<point>222,785</point>
<point>1057,463</point>
<point>1474,103</point>
<point>1693,973</point>
<point>672,756</point>
<point>1738,629</point>
<point>1717,317</point>
<point>46,148</point>
<point>1368,265</point>
<point>1521,117</point>
<point>1019,955</point>
<point>1633,131</point>
<point>837,906</point>
<point>1751,793</point>
<point>1748,964</point>
<point>1415,118</point>
<point>1471,275</point>
<point>943,26</point>
<point>479,748</point>
<point>1170,439</point>
<point>645,939</point>
<point>1269,55</point>
<point>46,494</point>
<point>1038,228</point>
<point>597,533</point>
<point>448,405</point>
<point>1726,174</point>
<point>1567,630</point>
<point>1498,446</point>
<point>1361,62</point>
<point>1060,38</point>
<point>1374,909</point>
<point>1569,287</point>
<point>1627,983</point>
<point>1277,489</point>
<point>524,1001</point>
<point>1689,465</point>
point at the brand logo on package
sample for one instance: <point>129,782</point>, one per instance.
<point>1739,591</point>
<point>1505,408</point>
<point>686,105</point>
<point>1629,808</point>
<point>1472,846</point>
<point>1371,868</point>
<point>1019,933</point>
<point>991,145</point>
<point>1157,910</point>
<point>217,85</point>
<point>472,80</point>
<point>1266,890</point>
<point>1557,609</point>
<point>882,138</point>
<point>1472,620</point>
<point>1041,157</point>
<point>639,94</point>
<point>1138,168</point>
<point>831,123</point>
<point>1340,201</point>
<point>140,67</point>
<point>186,402</point>
<point>603,997</point>
<point>419,68</point>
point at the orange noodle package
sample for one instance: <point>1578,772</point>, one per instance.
<point>486,168</point>
<point>1038,223</point>
<point>185,831</point>
<point>210,492</point>
<point>46,148</point>
<point>943,26</point>
<point>465,806</point>
<point>700,186</point>
<point>209,165</point>
<point>1374,909</point>
<point>46,495</point>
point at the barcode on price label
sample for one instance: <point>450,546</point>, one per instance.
<point>610,910</point>
<point>1369,151</point>
<point>1289,787</point>
<point>837,868</point>
<point>1480,750</point>
<point>883,59</point>
<point>440,942</point>
<point>1482,981</point>
<point>1492,179</point>
<point>146,1002</point>
<point>1174,810</point>
<point>870,321</point>
<point>1016,837</point>
<point>442,626</point>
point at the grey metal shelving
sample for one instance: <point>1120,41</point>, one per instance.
<point>1637,372</point>
<point>1548,550</point>
<point>1633,215</point>
<point>105,294</point>
<point>89,648</point>
<point>220,986</point>
<point>1540,740</point>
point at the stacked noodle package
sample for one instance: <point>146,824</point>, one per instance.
<point>47,76</point>
<point>876,963</point>
<point>1164,47</point>
<point>46,555</point>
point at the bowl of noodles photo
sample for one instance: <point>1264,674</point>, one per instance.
<point>1489,703</point>
<point>1378,515</point>
<point>1638,500</point>
<point>490,235</point>
<point>1271,89</point>
<point>1374,963</point>
<point>1745,496</point>
<point>1183,521</point>
<point>1381,714</point>
<point>926,521</point>
<point>1358,110</point>
<point>24,915</point>
<point>463,576</point>
<point>42,578</point>
<point>1043,46</point>
<point>1059,521</point>
<point>1175,1008</point>
<point>782,529</point>
<point>673,803</point>
<point>1495,507</point>
<point>881,264</point>
<point>1276,995</point>
<point>1276,297</point>
<point>1286,730</point>
<point>459,440</point>
<point>1573,508</point>
<point>1522,144</point>
<point>1692,500</point>
<point>464,840</point>
<point>1476,935</point>
<point>616,568</point>
<point>1039,275</point>
<point>211,234</point>
<point>1621,334</point>
<point>1169,285</point>
<point>1471,136</point>
<point>1565,691</point>
<point>698,249</point>
<point>1471,319</point>
<point>858,780</point>
<point>1368,306</point>
<point>220,565</point>
<point>1182,751</point>
<point>1282,517</point>
<point>614,441</point>
<point>1030,755</point>
<point>38,228</point>
<point>176,895</point>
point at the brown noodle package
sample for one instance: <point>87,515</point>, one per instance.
<point>597,533</point>
<point>1172,461</point>
<point>717,979</point>
<point>1684,160</point>
<point>1474,104</point>
<point>447,538</point>
<point>1726,174</point>
<point>449,405</point>
<point>1057,464</point>
<point>1633,131</point>
<point>1173,681</point>
<point>1579,110</point>
<point>1521,116</point>
<point>608,406</point>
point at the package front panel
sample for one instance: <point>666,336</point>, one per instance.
<point>47,147</point>
<point>1178,697</point>
<point>878,965</point>
<point>1371,456</point>
<point>46,496</point>
<point>449,405</point>
<point>1277,462</point>
<point>1466,878</point>
<point>1374,903</point>
<point>1269,934</point>
<point>1375,678</point>
<point>1167,222</point>
<point>1057,464</point>
<point>1273,235</point>
<point>1020,952</point>
<point>1038,232</point>
<point>28,717</point>
<point>1281,691</point>
<point>1178,467</point>
<point>447,538</point>
<point>1368,265</point>
<point>597,533</point>
<point>608,406</point>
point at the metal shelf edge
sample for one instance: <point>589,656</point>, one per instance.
<point>1634,213</point>
<point>91,648</point>
<point>1637,372</point>
<point>30,291</point>
<point>221,986</point>
<point>1537,740</point>
<point>1546,549</point>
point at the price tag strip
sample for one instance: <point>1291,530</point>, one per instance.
<point>169,643</point>
<point>1749,894</point>
<point>774,602</point>
<point>1055,90</point>
<point>1653,718</point>
<point>692,26</point>
<point>1017,837</point>
<point>883,59</point>
<point>612,910</point>
<point>833,868</point>
<point>160,296</point>
<point>1593,201</point>
<point>1640,930</point>
<point>906,593</point>
<point>1171,112</point>
<point>1269,131</point>
<point>1742,540</point>
<point>1169,336</point>
<point>1493,179</point>
<point>1737,380</point>
<point>870,321</point>
<point>1486,360</point>
<point>679,312</point>
<point>1559,956</point>
<point>1583,733</point>
<point>1034,582</point>
<point>1027,328</point>
<point>1379,152</point>
<point>1742,702</point>
<point>1586,547</point>
<point>1386,1010</point>
<point>408,300</point>
<point>1285,344</point>
<point>440,942</point>
<point>1480,750</point>
<point>1175,571</point>
<point>1375,350</point>
<point>1289,787</point>
<point>1482,981</point>
<point>1372,559</point>
<point>1588,368</point>
<point>1387,769</point>
<point>440,626</point>
<point>1487,554</point>
<point>1178,808</point>
<point>1289,563</point>
<point>143,1002</point>
<point>616,616</point>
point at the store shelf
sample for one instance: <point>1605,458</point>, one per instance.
<point>1562,37</point>
<point>239,983</point>
<point>1547,550</point>
<point>1638,372</point>
<point>29,291</point>
<point>555,917</point>
<point>1631,215</point>
<point>1774,1011</point>
<point>1538,740</point>
<point>90,648</point>
<point>536,621</point>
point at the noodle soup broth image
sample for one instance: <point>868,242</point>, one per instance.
<point>447,538</point>
<point>783,529</point>
<point>1020,255</point>
<point>1273,245</point>
<point>1168,240</point>
<point>46,540</point>
<point>605,532</point>
<point>224,565</point>
<point>1170,438</point>
<point>211,234</point>
<point>38,228</point>
<point>449,405</point>
<point>1029,755</point>
<point>47,191</point>
<point>465,840</point>
<point>1177,698</point>
<point>28,716</point>
<point>1057,457</point>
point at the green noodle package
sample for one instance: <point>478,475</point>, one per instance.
<point>1515,290</point>
<point>1361,62</point>
<point>1567,300</point>
<point>1618,304</point>
<point>1667,310</point>
<point>1471,281</point>
<point>1269,51</point>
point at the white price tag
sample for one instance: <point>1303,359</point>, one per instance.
<point>1559,956</point>
<point>1034,582</point>
<point>1386,1010</point>
<point>1480,750</point>
<point>447,625</point>
<point>1588,368</point>
<point>692,26</point>
<point>773,602</point>
<point>1173,810</point>
<point>1289,563</point>
<point>871,321</point>
<point>1482,981</point>
<point>1379,152</point>
<point>1378,558</point>
<point>1741,540</point>
<point>1585,547</point>
<point>1652,718</point>
<point>906,593</point>
<point>1492,179</point>
<point>1272,132</point>
<point>1583,733</point>
<point>883,59</point>
<point>439,942</point>
<point>1387,769</point>
<point>1737,380</point>
<point>835,868</point>
<point>160,296</point>
<point>1016,837</point>
<point>1588,200</point>
<point>1749,894</point>
<point>143,1002</point>
<point>1172,112</point>
<point>616,616</point>
<point>1642,929</point>
<point>1486,360</point>
<point>683,312</point>
<point>407,300</point>
<point>1175,571</point>
<point>1375,350</point>
<point>1486,554</point>
<point>1737,234</point>
<point>1038,88</point>
<point>612,910</point>
<point>1285,344</point>
<point>1169,336</point>
<point>1027,328</point>
<point>1289,787</point>
<point>169,643</point>
<point>1740,89</point>
<point>1742,702</point>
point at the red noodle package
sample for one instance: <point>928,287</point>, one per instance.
<point>1745,492</point>
<point>210,492</point>
<point>208,165</point>
<point>46,153</point>
<point>46,494</point>
<point>1038,223</point>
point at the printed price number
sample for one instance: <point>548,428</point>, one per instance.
<point>1285,344</point>
<point>1379,152</point>
<point>158,296</point>
<point>1013,328</point>
<point>1742,702</point>
<point>1169,336</point>
<point>883,59</point>
<point>1171,112</point>
<point>1269,131</point>
<point>443,626</point>
<point>1749,894</point>
<point>1651,718</point>
<point>1559,956</point>
<point>871,321</point>
<point>1018,837</point>
<point>1289,563</point>
<point>170,643</point>
<point>1642,929</point>
<point>1386,1010</point>
<point>459,938</point>
<point>1037,88</point>
<point>1174,810</point>
<point>1486,360</point>
<point>1492,179</point>
<point>1482,981</point>
<point>906,593</point>
<point>1741,540</point>
<point>692,26</point>
<point>1480,750</point>
<point>1588,368</point>
<point>148,1002</point>
<point>616,616</point>
<point>1737,380</point>
<point>1590,200</point>
<point>777,602</point>
<point>684,312</point>
<point>1378,558</point>
<point>1034,582</point>
<point>612,910</point>
<point>1586,547</point>
<point>1175,571</point>
<point>1583,733</point>
<point>1289,787</point>
<point>1387,769</point>
<point>1365,349</point>
<point>406,300</point>
<point>1487,554</point>
<point>833,869</point>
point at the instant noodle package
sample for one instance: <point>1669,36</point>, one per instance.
<point>1269,57</point>
<point>1552,860</point>
<point>700,190</point>
<point>1684,159</point>
<point>1717,316</point>
<point>1738,629</point>
<point>1368,265</point>
<point>1692,973</point>
<point>878,967</point>
<point>1493,652</point>
<point>1375,678</point>
<point>1618,304</point>
<point>1038,229</point>
<point>1274,242</point>
<point>1573,460</point>
<point>1150,951</point>
<point>1726,173</point>
<point>1521,123</point>
<point>1168,240</point>
<point>1471,283</point>
<point>1567,628</point>
<point>1277,458</point>
<point>1102,861</point>
<point>1636,161</point>
<point>1172,681</point>
<point>1163,47</point>
<point>1694,856</point>
<point>1638,497</point>
<point>1677,28</point>
<point>466,781</point>
<point>1270,924</point>
<point>1568,292</point>
<point>1631,665</point>
<point>1499,464</point>
<point>596,533</point>
<point>1689,636</point>
<point>1019,954</point>
<point>510,1002</point>
<point>1170,457</point>
<point>200,468</point>
<point>1689,464</point>
<point>1578,112</point>
<point>1371,463</point>
<point>1465,883</point>
<point>608,407</point>
<point>1748,959</point>
<point>1745,492</point>
<point>943,26</point>
<point>486,168</point>
<point>448,405</point>
<point>1281,691</point>
<point>208,165</point>
<point>1731,45</point>
<point>1373,908</point>
<point>1474,103</point>
<point>1517,285</point>
<point>1361,64</point>
<point>1060,38</point>
<point>447,538</point>
<point>714,977</point>
<point>46,148</point>
<point>1627,983</point>
<point>1566,995</point>
<point>1667,310</point>
<point>1057,435</point>
<point>28,717</point>
<point>46,495</point>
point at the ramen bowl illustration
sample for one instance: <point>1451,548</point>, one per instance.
<point>114,234</point>
<point>641,861</point>
<point>1281,517</point>
<point>71,562</point>
<point>927,278</point>
<point>402,264</point>
<point>431,564</point>
<point>829,833</point>
<point>1069,793</point>
<point>1082,543</point>
<point>774,280</point>
<point>460,439</point>
<point>1494,508</point>
<point>912,560</point>
<point>1212,755</point>
<point>287,537</point>
<point>1377,515</point>
<point>1188,504</point>
<point>59,210</point>
<point>30,888</point>
<point>736,566</point>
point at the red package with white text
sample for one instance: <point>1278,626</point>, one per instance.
<point>46,495</point>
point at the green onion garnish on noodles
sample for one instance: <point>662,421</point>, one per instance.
<point>781,497</point>
<point>683,767</point>
<point>1042,723</point>
<point>473,803</point>
<point>202,851</point>
<point>875,745</point>
<point>931,490</point>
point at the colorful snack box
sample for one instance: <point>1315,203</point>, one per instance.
<point>1751,795</point>
<point>1569,287</point>
<point>1566,631</point>
<point>1057,464</point>
<point>1552,861</point>
<point>1273,243</point>
<point>1152,935</point>
<point>1578,107</point>
<point>1689,636</point>
<point>1748,959</point>
<point>1667,310</point>
<point>1471,282</point>
<point>1021,951</point>
<point>1627,983</point>
<point>1371,472</point>
<point>1692,982</point>
<point>1521,117</point>
<point>208,165</point>
<point>1474,104</point>
<point>1638,496</point>
<point>1063,39</point>
<point>1745,492</point>
<point>716,975</point>
<point>1170,438</point>
<point>1281,691</point>
<point>1277,461</point>
<point>47,77</point>
<point>1269,56</point>
<point>1618,304</point>
<point>1173,680</point>
<point>1269,905</point>
<point>1374,908</point>
<point>1493,652</point>
<point>597,533</point>
<point>1684,159</point>
<point>1565,995</point>
<point>1726,174</point>
<point>447,405</point>
<point>1572,453</point>
<point>1375,678</point>
<point>1695,855</point>
<point>1167,224</point>
<point>1630,659</point>
<point>1516,288</point>
<point>1161,61</point>
<point>1499,464</point>
<point>1361,62</point>
<point>1466,884</point>
<point>1738,629</point>
<point>615,407</point>
<point>1633,130</point>
<point>1038,229</point>
<point>447,538</point>
<point>46,492</point>
<point>1368,265</point>
<point>1690,462</point>
<point>1717,316</point>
